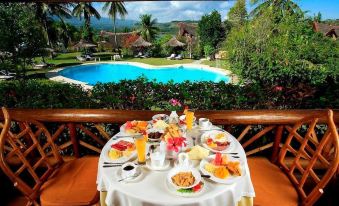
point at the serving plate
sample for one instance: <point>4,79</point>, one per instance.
<point>212,134</point>
<point>121,159</point>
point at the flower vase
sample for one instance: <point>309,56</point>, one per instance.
<point>173,118</point>
<point>171,154</point>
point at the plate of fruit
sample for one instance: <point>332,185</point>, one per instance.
<point>134,127</point>
<point>222,168</point>
<point>217,141</point>
<point>121,150</point>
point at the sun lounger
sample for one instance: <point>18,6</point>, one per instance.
<point>179,57</point>
<point>80,58</point>
<point>139,55</point>
<point>172,56</point>
<point>145,55</point>
<point>6,73</point>
<point>5,77</point>
<point>89,58</point>
<point>40,65</point>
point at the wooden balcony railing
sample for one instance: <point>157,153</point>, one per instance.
<point>79,130</point>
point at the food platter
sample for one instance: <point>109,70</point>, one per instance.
<point>126,156</point>
<point>218,141</point>
<point>230,179</point>
<point>190,192</point>
<point>180,172</point>
<point>134,128</point>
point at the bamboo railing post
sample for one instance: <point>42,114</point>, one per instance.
<point>74,140</point>
<point>276,143</point>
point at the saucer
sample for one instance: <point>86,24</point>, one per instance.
<point>166,165</point>
<point>134,179</point>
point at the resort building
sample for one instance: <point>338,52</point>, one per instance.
<point>326,29</point>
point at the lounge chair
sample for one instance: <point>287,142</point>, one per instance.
<point>139,55</point>
<point>172,56</point>
<point>40,65</point>
<point>147,55</point>
<point>5,77</point>
<point>6,73</point>
<point>179,57</point>
<point>80,58</point>
<point>89,57</point>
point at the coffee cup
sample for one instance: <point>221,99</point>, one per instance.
<point>157,159</point>
<point>204,123</point>
<point>128,169</point>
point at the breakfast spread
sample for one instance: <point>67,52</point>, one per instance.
<point>219,142</point>
<point>120,149</point>
<point>221,167</point>
<point>183,179</point>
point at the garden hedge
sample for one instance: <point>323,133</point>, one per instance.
<point>147,95</point>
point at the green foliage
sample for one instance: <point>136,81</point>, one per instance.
<point>148,27</point>
<point>284,53</point>
<point>42,94</point>
<point>159,49</point>
<point>238,13</point>
<point>281,8</point>
<point>210,30</point>
<point>147,95</point>
<point>208,50</point>
<point>20,33</point>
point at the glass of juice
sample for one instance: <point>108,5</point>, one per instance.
<point>189,119</point>
<point>140,144</point>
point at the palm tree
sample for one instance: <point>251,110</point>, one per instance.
<point>86,10</point>
<point>115,8</point>
<point>148,29</point>
<point>44,12</point>
<point>282,7</point>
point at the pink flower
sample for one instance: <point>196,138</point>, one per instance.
<point>175,102</point>
<point>174,143</point>
<point>278,88</point>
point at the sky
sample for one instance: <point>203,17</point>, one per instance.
<point>166,11</point>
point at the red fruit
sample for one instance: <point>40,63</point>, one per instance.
<point>218,158</point>
<point>197,187</point>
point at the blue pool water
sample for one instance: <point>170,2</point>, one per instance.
<point>94,73</point>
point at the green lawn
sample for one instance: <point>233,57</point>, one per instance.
<point>224,64</point>
<point>69,59</point>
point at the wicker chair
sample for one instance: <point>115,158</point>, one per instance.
<point>40,172</point>
<point>314,162</point>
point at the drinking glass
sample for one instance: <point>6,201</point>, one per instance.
<point>140,144</point>
<point>189,119</point>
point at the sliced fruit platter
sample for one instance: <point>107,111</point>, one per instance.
<point>217,141</point>
<point>134,127</point>
<point>222,168</point>
<point>121,150</point>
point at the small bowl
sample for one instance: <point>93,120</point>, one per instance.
<point>176,170</point>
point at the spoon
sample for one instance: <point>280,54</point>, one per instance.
<point>130,177</point>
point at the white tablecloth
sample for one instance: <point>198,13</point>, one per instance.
<point>152,190</point>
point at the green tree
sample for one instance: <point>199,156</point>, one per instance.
<point>20,34</point>
<point>44,13</point>
<point>86,10</point>
<point>115,9</point>
<point>238,13</point>
<point>148,27</point>
<point>280,8</point>
<point>286,53</point>
<point>210,30</point>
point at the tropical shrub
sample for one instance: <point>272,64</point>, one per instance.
<point>285,53</point>
<point>148,95</point>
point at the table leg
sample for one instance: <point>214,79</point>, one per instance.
<point>103,195</point>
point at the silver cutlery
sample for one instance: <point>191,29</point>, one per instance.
<point>130,177</point>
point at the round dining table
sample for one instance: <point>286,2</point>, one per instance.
<point>151,189</point>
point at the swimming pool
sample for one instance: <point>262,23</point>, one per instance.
<point>106,72</point>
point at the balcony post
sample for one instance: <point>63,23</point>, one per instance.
<point>74,140</point>
<point>276,143</point>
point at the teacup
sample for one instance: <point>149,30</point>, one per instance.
<point>157,159</point>
<point>204,123</point>
<point>128,169</point>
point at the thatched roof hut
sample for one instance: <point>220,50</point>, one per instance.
<point>141,42</point>
<point>187,29</point>
<point>84,44</point>
<point>174,43</point>
<point>326,29</point>
<point>109,37</point>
